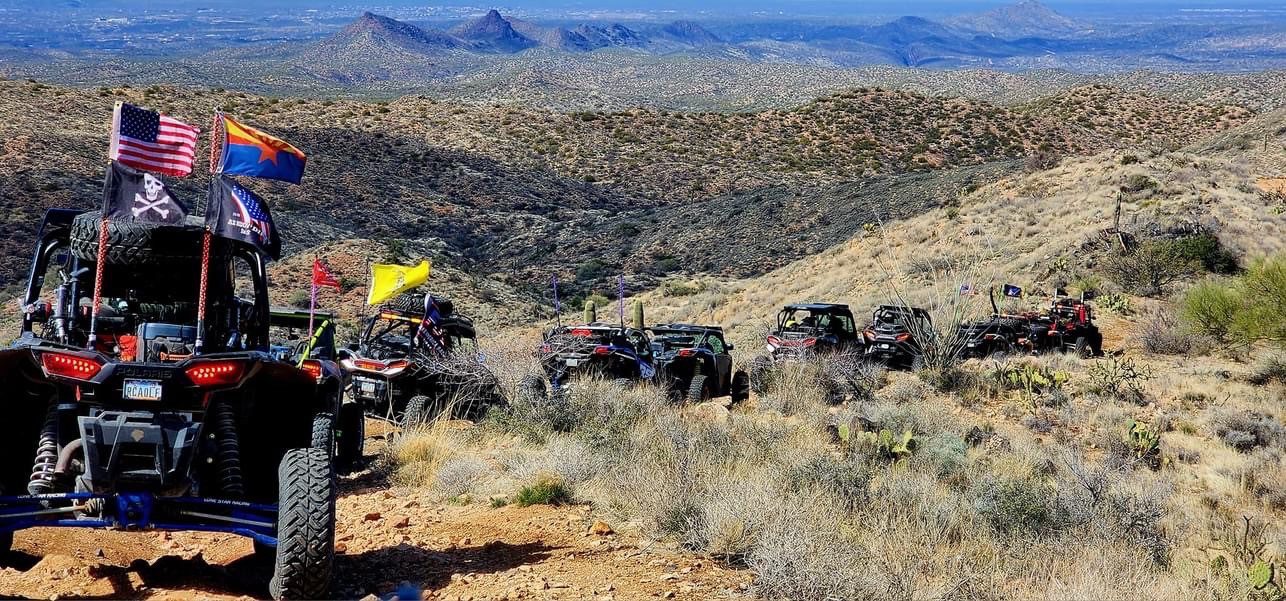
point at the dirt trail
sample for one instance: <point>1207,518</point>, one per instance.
<point>384,538</point>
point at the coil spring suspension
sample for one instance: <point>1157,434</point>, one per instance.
<point>42,472</point>
<point>228,450</point>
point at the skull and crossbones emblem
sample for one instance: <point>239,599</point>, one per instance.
<point>153,198</point>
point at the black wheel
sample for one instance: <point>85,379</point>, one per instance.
<point>917,362</point>
<point>532,389</point>
<point>417,411</point>
<point>760,374</point>
<point>352,437</point>
<point>1082,348</point>
<point>305,526</point>
<point>324,433</point>
<point>1096,344</point>
<point>128,242</point>
<point>407,303</point>
<point>698,390</point>
<point>740,387</point>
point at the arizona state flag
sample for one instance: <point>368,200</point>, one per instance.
<point>235,213</point>
<point>248,151</point>
<point>388,281</point>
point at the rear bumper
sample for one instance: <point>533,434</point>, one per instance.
<point>140,511</point>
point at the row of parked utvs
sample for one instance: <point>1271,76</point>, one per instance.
<point>142,428</point>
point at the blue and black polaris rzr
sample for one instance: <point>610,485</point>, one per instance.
<point>138,429</point>
<point>695,362</point>
<point>596,349</point>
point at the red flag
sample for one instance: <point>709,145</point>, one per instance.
<point>322,277</point>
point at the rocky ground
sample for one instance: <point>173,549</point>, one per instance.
<point>386,538</point>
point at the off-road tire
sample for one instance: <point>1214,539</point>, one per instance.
<point>917,362</point>
<point>407,303</point>
<point>417,412</point>
<point>1096,345</point>
<point>760,374</point>
<point>1082,348</point>
<point>305,526</point>
<point>740,387</point>
<point>532,390</point>
<point>698,391</point>
<point>324,433</point>
<point>352,436</point>
<point>128,242</point>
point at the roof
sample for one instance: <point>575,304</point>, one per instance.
<point>684,327</point>
<point>817,306</point>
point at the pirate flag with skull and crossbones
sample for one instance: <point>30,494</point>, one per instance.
<point>137,196</point>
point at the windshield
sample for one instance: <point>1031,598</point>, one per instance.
<point>805,321</point>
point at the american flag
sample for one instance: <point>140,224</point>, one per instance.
<point>150,141</point>
<point>252,213</point>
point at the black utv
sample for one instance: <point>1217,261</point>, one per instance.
<point>418,360</point>
<point>139,427</point>
<point>1067,327</point>
<point>695,363</point>
<point>594,349</point>
<point>1000,333</point>
<point>802,330</point>
<point>318,355</point>
<point>892,338</point>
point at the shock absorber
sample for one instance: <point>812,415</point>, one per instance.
<point>42,472</point>
<point>227,450</point>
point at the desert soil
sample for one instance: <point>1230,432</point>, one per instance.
<point>385,537</point>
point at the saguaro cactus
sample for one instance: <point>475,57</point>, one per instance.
<point>636,314</point>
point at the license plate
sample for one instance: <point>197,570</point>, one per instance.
<point>884,346</point>
<point>142,390</point>
<point>368,387</point>
<point>573,362</point>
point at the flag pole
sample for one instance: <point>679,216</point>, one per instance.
<point>98,281</point>
<point>312,304</point>
<point>558,308</point>
<point>206,236</point>
<point>620,297</point>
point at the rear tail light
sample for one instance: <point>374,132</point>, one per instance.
<point>903,337</point>
<point>396,367</point>
<point>774,341</point>
<point>869,334</point>
<point>582,333</point>
<point>546,348</point>
<point>602,350</point>
<point>369,365</point>
<point>313,367</point>
<point>70,366</point>
<point>808,341</point>
<point>989,336</point>
<point>216,373</point>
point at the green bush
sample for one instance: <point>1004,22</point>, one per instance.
<point>1210,308</point>
<point>1151,268</point>
<point>1013,506</point>
<point>1209,252</point>
<point>546,490</point>
<point>1264,311</point>
<point>1247,309</point>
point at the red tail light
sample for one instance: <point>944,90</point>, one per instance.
<point>602,350</point>
<point>370,365</point>
<point>70,366</point>
<point>582,333</point>
<point>775,341</point>
<point>808,341</point>
<point>869,334</point>
<point>687,352</point>
<point>216,373</point>
<point>313,367</point>
<point>903,337</point>
<point>989,336</point>
<point>546,348</point>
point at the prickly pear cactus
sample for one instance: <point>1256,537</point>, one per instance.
<point>636,314</point>
<point>1145,442</point>
<point>1260,574</point>
<point>591,312</point>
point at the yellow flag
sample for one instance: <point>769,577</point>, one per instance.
<point>388,281</point>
